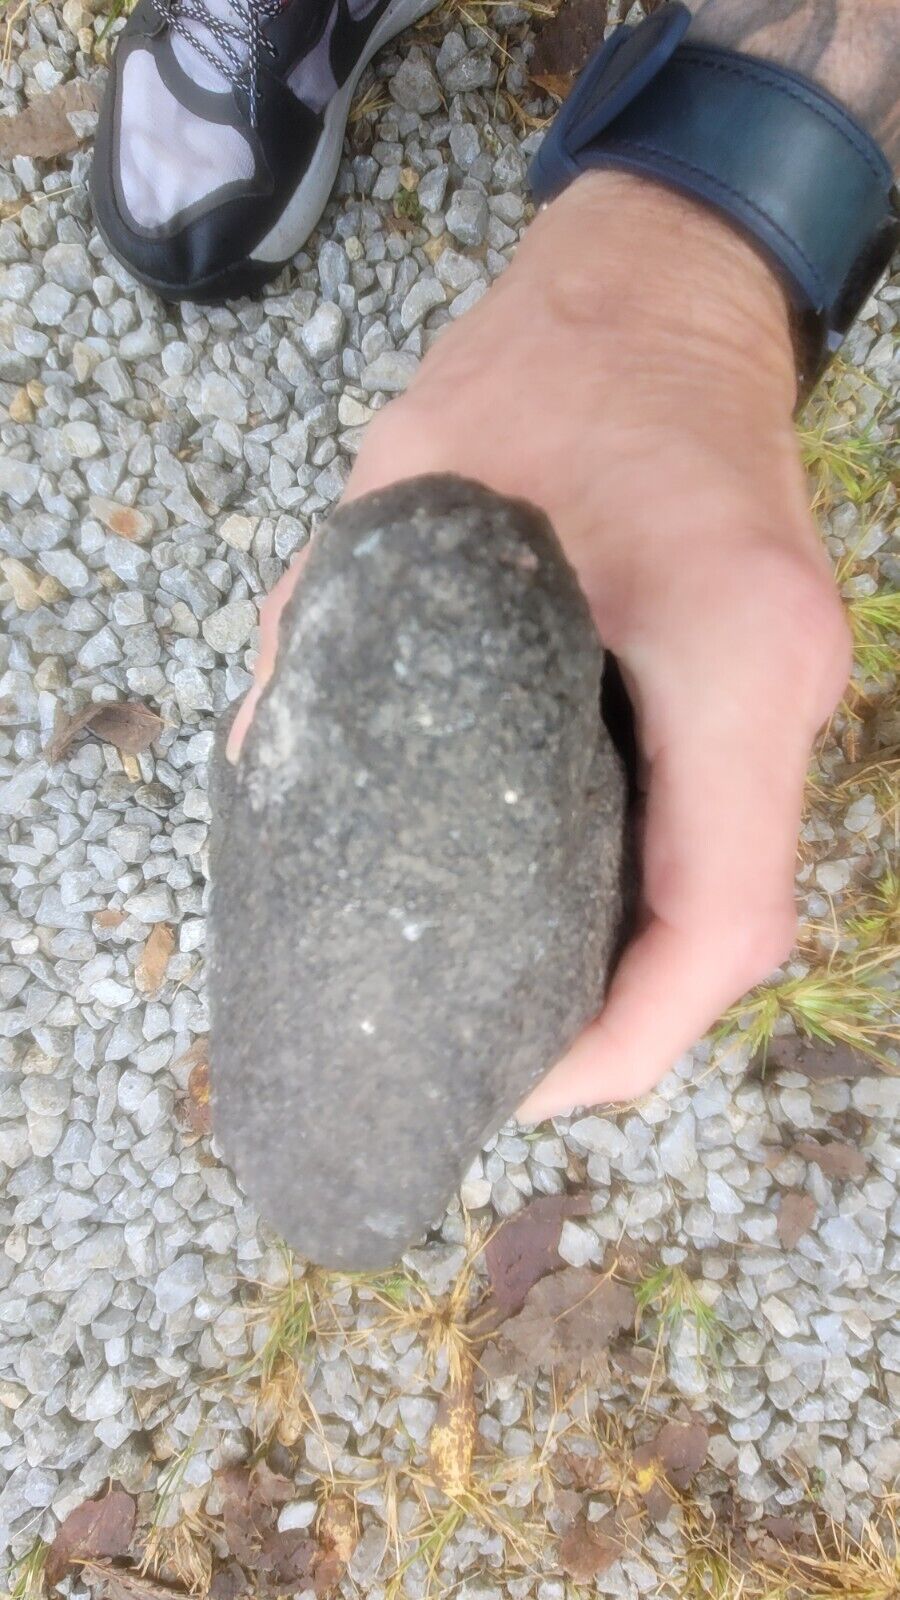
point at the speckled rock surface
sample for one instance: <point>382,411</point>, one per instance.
<point>418,888</point>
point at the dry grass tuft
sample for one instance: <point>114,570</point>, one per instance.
<point>846,1566</point>
<point>848,999</point>
<point>370,103</point>
<point>181,1553</point>
<point>875,625</point>
<point>176,1541</point>
<point>831,1564</point>
<point>875,922</point>
<point>671,1296</point>
<point>847,460</point>
<point>27,1574</point>
<point>442,1323</point>
<point>423,1548</point>
<point>292,1315</point>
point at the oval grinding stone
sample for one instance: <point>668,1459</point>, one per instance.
<point>418,867</point>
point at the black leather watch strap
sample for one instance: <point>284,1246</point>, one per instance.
<point>779,156</point>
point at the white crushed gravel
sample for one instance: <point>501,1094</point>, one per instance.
<point>224,433</point>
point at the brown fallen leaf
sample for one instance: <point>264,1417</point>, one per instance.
<point>195,1111</point>
<point>286,1560</point>
<point>280,1561</point>
<point>270,1488</point>
<point>567,1505</point>
<point>557,84</point>
<point>817,1060</point>
<point>150,971</point>
<point>681,1447</point>
<point>338,1532</point>
<point>783,1539</point>
<point>784,1529</point>
<point>240,1525</point>
<point>102,1527</point>
<point>198,1051</point>
<point>108,918</point>
<point>338,1526</point>
<point>400,223</point>
<point>840,1161</point>
<point>781,1557</point>
<point>796,1215</point>
<point>635,1362</point>
<point>568,1318</point>
<point>127,1583</point>
<point>651,1482</point>
<point>565,41</point>
<point>588,1549</point>
<point>452,1440</point>
<point>669,1462</point>
<point>588,1472</point>
<point>249,1498</point>
<point>127,724</point>
<point>525,1248</point>
<point>328,1570</point>
<point>629,1261</point>
<point>43,129</point>
<point>228,1582</point>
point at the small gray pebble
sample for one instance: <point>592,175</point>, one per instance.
<point>425,295</point>
<point>467,216</point>
<point>433,187</point>
<point>414,85</point>
<point>323,333</point>
<point>390,372</point>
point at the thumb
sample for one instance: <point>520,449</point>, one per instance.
<point>269,623</point>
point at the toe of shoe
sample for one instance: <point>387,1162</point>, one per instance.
<point>198,253</point>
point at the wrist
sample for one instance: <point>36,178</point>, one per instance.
<point>660,272</point>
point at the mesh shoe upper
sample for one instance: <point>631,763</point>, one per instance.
<point>156,187</point>
<point>212,116</point>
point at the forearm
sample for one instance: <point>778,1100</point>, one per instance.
<point>850,47</point>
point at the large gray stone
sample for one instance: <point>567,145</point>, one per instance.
<point>418,866</point>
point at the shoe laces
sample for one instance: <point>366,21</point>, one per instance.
<point>239,42</point>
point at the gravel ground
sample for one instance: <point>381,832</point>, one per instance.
<point>224,434</point>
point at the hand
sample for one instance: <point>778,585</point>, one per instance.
<point>632,374</point>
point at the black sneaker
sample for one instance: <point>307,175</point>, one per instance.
<point>221,132</point>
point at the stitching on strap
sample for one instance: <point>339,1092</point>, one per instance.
<point>706,57</point>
